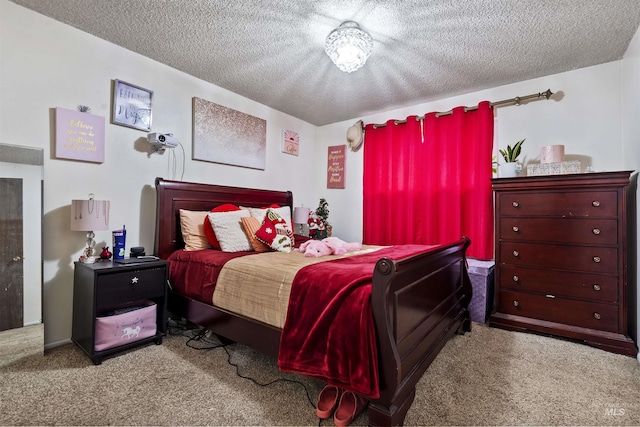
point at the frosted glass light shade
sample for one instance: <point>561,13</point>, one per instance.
<point>348,46</point>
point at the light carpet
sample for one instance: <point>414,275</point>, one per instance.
<point>486,377</point>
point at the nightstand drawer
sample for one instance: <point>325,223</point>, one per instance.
<point>585,314</point>
<point>561,284</point>
<point>574,258</point>
<point>561,230</point>
<point>564,204</point>
<point>121,287</point>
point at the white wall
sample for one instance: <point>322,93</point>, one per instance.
<point>45,64</point>
<point>587,120</point>
<point>631,119</point>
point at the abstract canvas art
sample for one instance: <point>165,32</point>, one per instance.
<point>223,135</point>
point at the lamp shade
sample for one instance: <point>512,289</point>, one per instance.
<point>301,215</point>
<point>89,215</point>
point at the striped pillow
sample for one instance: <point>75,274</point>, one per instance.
<point>251,225</point>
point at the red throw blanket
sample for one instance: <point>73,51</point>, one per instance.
<point>329,332</point>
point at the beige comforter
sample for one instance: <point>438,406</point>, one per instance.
<point>258,286</point>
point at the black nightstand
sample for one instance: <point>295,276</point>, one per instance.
<point>104,286</point>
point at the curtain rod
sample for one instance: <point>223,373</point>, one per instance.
<point>515,101</point>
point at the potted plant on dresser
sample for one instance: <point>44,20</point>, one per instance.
<point>509,168</point>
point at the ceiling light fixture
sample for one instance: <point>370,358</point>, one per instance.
<point>348,46</point>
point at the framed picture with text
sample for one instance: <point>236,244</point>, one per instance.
<point>131,106</point>
<point>336,166</point>
<point>290,142</point>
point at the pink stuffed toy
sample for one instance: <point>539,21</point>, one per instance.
<point>340,247</point>
<point>315,248</point>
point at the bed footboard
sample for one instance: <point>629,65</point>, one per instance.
<point>418,303</point>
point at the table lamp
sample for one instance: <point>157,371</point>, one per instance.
<point>89,215</point>
<point>301,216</point>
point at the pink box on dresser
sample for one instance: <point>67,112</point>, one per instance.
<point>125,325</point>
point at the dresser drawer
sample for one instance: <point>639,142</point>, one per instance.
<point>563,230</point>
<point>585,314</point>
<point>574,258</point>
<point>119,287</point>
<point>560,283</point>
<point>564,204</point>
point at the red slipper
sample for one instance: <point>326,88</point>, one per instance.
<point>350,406</point>
<point>327,401</point>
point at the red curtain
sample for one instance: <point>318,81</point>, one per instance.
<point>434,190</point>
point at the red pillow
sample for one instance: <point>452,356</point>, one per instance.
<point>275,233</point>
<point>208,228</point>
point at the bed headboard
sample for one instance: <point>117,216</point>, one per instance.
<point>171,196</point>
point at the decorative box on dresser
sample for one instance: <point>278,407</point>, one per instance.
<point>566,257</point>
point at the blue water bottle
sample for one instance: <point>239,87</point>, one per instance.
<point>119,242</point>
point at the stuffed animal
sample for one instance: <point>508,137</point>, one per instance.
<point>315,248</point>
<point>340,247</point>
<point>327,246</point>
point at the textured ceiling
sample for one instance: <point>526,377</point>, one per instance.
<point>272,51</point>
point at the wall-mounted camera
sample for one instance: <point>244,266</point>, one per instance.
<point>161,141</point>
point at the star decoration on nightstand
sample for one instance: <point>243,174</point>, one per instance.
<point>134,280</point>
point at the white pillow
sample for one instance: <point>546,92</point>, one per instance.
<point>229,231</point>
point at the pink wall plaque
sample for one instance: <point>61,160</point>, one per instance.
<point>335,167</point>
<point>79,136</point>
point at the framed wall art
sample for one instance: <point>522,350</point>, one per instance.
<point>223,135</point>
<point>336,166</point>
<point>290,142</point>
<point>79,136</point>
<point>131,106</point>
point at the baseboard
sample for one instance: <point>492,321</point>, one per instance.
<point>51,345</point>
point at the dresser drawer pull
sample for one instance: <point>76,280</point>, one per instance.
<point>516,279</point>
<point>134,280</point>
<point>597,316</point>
<point>596,287</point>
<point>596,231</point>
<point>596,259</point>
<point>550,296</point>
<point>515,204</point>
<point>516,253</point>
<point>516,229</point>
<point>516,303</point>
<point>595,203</point>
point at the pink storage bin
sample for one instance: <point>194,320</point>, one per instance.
<point>119,329</point>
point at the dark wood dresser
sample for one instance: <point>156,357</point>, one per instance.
<point>566,257</point>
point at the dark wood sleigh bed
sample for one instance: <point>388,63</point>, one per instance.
<point>418,302</point>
